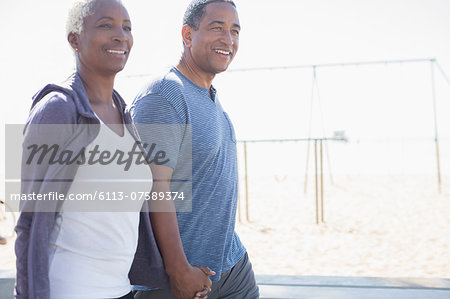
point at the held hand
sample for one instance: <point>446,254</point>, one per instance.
<point>192,282</point>
<point>204,293</point>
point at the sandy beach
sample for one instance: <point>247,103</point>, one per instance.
<point>387,226</point>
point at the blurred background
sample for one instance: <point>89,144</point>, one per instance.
<point>384,214</point>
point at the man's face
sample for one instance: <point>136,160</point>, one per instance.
<point>216,41</point>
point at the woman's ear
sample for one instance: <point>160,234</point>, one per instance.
<point>73,40</point>
<point>186,34</point>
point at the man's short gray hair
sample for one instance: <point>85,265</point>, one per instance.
<point>195,10</point>
<point>79,11</point>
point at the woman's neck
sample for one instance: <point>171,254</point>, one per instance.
<point>98,88</point>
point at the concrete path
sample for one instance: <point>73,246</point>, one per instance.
<point>6,288</point>
<point>323,287</point>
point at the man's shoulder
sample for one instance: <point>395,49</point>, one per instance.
<point>164,93</point>
<point>168,85</point>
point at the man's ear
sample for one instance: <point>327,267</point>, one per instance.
<point>73,40</point>
<point>186,33</point>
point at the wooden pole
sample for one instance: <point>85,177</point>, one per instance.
<point>436,136</point>
<point>305,186</point>
<point>247,213</point>
<point>321,182</point>
<point>239,207</point>
<point>316,181</point>
<point>238,210</point>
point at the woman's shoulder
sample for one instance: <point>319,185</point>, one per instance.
<point>53,106</point>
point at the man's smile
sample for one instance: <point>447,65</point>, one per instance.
<point>223,52</point>
<point>114,51</point>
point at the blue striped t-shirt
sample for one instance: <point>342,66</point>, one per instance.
<point>207,233</point>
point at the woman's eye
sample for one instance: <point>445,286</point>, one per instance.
<point>127,28</point>
<point>105,25</point>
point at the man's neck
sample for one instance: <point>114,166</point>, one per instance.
<point>193,73</point>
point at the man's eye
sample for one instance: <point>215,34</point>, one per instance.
<point>105,25</point>
<point>127,28</point>
<point>236,32</point>
<point>217,28</point>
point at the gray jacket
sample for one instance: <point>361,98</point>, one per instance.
<point>68,105</point>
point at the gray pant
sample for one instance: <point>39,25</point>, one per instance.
<point>237,283</point>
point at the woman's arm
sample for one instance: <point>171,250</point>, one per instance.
<point>34,228</point>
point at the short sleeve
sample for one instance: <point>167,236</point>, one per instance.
<point>160,127</point>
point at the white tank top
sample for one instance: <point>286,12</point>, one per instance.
<point>91,252</point>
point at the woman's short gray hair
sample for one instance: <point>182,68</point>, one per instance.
<point>79,11</point>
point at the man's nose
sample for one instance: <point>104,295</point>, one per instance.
<point>227,38</point>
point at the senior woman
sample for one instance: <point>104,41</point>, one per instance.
<point>63,251</point>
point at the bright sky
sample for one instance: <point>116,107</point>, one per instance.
<point>378,101</point>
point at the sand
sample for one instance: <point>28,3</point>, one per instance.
<point>385,225</point>
<point>388,226</point>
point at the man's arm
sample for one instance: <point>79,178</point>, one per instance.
<point>186,281</point>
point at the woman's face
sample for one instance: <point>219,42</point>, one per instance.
<point>106,40</point>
